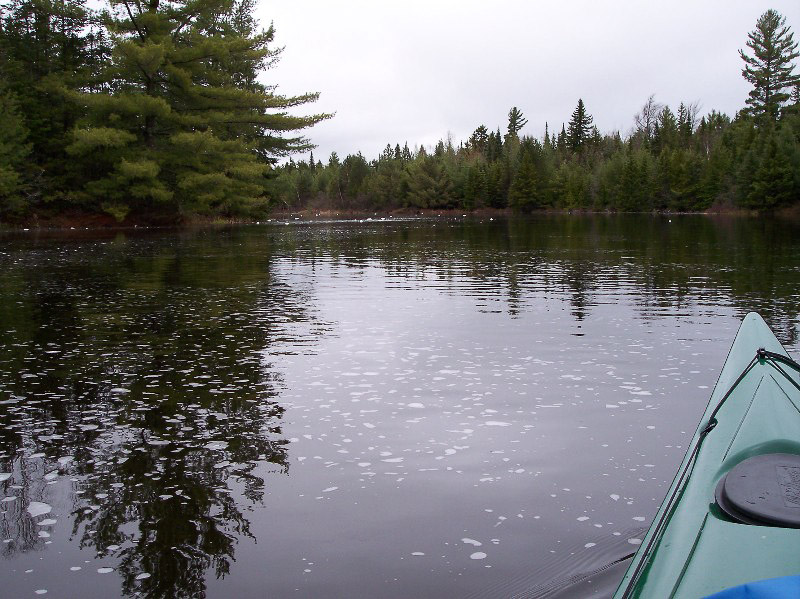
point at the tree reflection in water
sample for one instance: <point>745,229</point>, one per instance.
<point>143,371</point>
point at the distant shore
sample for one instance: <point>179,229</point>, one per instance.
<point>79,220</point>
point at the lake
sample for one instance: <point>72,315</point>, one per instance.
<point>444,407</point>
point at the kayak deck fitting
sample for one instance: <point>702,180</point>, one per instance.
<point>732,513</point>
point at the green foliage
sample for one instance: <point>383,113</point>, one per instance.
<point>147,107</point>
<point>49,48</point>
<point>515,122</point>
<point>429,184</point>
<point>770,68</point>
<point>769,178</point>
<point>14,149</point>
<point>192,129</point>
<point>579,132</point>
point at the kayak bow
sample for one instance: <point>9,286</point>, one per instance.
<point>732,513</point>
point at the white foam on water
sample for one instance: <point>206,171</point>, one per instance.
<point>37,508</point>
<point>478,555</point>
<point>471,542</point>
<point>215,445</point>
<point>104,570</point>
<point>329,489</point>
<point>415,405</point>
<point>496,423</point>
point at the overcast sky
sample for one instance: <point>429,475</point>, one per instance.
<point>417,70</point>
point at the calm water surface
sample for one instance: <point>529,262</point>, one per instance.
<point>419,408</point>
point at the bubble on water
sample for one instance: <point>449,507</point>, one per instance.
<point>37,508</point>
<point>215,445</point>
<point>497,423</point>
<point>417,553</point>
<point>588,545</point>
<point>635,541</point>
<point>416,405</point>
<point>329,489</point>
<point>104,570</point>
<point>478,555</point>
<point>471,542</point>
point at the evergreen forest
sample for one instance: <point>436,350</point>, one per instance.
<point>158,110</point>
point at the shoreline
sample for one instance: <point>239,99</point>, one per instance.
<point>99,221</point>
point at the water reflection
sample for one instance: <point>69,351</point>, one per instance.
<point>142,376</point>
<point>137,379</point>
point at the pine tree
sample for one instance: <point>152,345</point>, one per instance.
<point>515,122</point>
<point>561,143</point>
<point>479,140</point>
<point>495,146</point>
<point>666,130</point>
<point>183,122</point>
<point>770,68</point>
<point>579,130</point>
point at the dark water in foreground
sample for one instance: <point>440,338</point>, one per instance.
<point>361,409</point>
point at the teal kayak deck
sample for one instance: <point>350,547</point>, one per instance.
<point>698,550</point>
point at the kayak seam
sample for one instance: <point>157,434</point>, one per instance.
<point>744,417</point>
<point>689,557</point>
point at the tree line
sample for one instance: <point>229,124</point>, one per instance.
<point>157,108</point>
<point>673,160</point>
